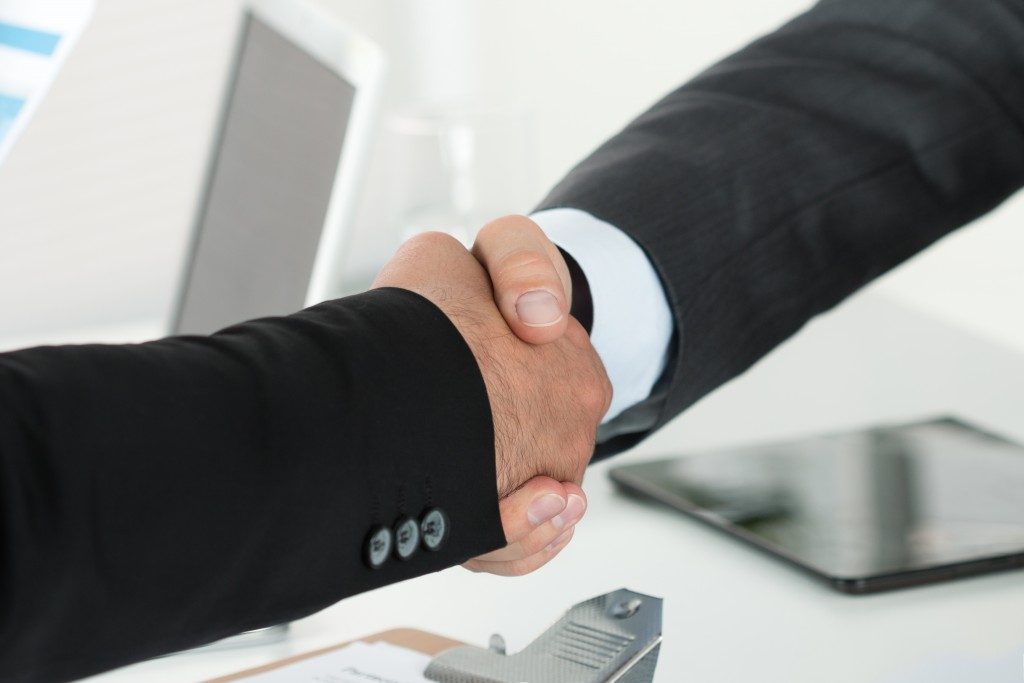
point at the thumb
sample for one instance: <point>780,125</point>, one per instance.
<point>536,502</point>
<point>531,282</point>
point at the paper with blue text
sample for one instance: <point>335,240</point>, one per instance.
<point>36,37</point>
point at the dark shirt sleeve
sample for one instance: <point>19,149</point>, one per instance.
<point>782,179</point>
<point>163,495</point>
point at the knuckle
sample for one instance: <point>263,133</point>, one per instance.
<point>525,263</point>
<point>432,240</point>
<point>596,395</point>
<point>609,393</point>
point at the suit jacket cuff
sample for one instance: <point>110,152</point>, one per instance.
<point>231,481</point>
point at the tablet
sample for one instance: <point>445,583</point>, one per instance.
<point>864,511</point>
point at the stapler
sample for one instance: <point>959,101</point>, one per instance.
<point>613,638</point>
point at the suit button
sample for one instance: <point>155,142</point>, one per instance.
<point>434,528</point>
<point>407,537</point>
<point>378,547</point>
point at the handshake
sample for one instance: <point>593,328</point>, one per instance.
<point>548,391</point>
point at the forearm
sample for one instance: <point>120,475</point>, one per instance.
<point>162,495</point>
<point>787,176</point>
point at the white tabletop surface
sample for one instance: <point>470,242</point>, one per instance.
<point>733,614</point>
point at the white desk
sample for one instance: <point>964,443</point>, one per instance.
<point>733,614</point>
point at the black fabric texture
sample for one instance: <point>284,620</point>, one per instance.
<point>793,172</point>
<point>582,304</point>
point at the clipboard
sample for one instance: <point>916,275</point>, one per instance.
<point>413,639</point>
<point>611,638</point>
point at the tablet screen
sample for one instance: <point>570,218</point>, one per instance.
<point>270,185</point>
<point>861,504</point>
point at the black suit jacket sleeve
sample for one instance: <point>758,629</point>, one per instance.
<point>795,171</point>
<point>162,495</point>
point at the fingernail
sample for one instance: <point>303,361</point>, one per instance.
<point>572,513</point>
<point>545,507</point>
<point>560,540</point>
<point>538,309</point>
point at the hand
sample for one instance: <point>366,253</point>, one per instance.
<point>532,539</point>
<point>546,400</point>
<point>531,282</point>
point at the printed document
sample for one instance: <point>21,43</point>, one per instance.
<point>356,663</point>
<point>35,39</point>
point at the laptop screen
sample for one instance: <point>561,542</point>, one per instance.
<point>269,187</point>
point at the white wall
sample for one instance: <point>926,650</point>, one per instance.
<point>96,201</point>
<point>96,197</point>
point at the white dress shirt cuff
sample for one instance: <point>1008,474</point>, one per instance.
<point>633,323</point>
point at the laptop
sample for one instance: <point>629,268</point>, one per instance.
<point>285,169</point>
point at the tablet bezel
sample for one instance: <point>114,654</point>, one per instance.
<point>625,478</point>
